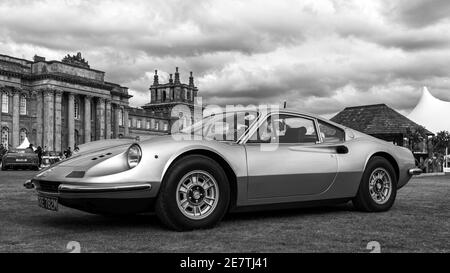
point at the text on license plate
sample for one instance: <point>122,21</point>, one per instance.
<point>50,203</point>
<point>20,160</point>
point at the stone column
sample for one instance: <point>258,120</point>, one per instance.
<point>16,119</point>
<point>100,122</point>
<point>117,120</point>
<point>39,119</point>
<point>87,119</point>
<point>108,119</point>
<point>1,98</point>
<point>126,122</point>
<point>58,129</point>
<point>49,119</point>
<point>71,121</point>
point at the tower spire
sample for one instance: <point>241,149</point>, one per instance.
<point>177,76</point>
<point>155,78</point>
<point>170,79</point>
<point>191,80</point>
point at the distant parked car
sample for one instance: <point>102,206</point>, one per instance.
<point>20,158</point>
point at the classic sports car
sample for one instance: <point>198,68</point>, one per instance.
<point>226,162</point>
<point>20,158</point>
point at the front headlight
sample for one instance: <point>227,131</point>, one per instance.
<point>134,155</point>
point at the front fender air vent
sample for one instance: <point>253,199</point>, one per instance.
<point>76,174</point>
<point>101,156</point>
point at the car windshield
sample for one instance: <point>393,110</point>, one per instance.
<point>223,126</point>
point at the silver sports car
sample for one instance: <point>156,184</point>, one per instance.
<point>229,161</point>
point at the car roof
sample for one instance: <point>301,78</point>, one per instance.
<point>292,111</point>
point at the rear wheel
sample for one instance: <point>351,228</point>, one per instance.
<point>378,187</point>
<point>194,194</point>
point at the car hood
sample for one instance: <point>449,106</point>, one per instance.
<point>102,144</point>
<point>95,152</point>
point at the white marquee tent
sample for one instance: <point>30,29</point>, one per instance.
<point>25,144</point>
<point>432,113</point>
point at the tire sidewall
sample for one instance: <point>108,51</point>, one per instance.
<point>374,163</point>
<point>170,185</point>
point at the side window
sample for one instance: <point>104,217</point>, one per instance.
<point>286,129</point>
<point>230,127</point>
<point>330,133</point>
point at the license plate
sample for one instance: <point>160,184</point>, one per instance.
<point>50,203</point>
<point>21,160</point>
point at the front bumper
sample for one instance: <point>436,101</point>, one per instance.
<point>415,171</point>
<point>114,198</point>
<point>102,189</point>
<point>94,190</point>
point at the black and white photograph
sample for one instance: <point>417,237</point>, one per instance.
<point>225,126</point>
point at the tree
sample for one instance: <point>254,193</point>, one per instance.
<point>441,141</point>
<point>415,135</point>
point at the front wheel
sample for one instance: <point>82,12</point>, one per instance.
<point>378,187</point>
<point>194,194</point>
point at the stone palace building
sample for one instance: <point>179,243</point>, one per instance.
<point>60,104</point>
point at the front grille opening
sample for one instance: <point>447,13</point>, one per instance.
<point>48,186</point>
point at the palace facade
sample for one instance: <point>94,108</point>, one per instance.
<point>60,104</point>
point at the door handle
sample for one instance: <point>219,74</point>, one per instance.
<point>341,149</point>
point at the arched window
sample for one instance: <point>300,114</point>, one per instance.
<point>23,105</point>
<point>23,135</point>
<point>33,137</point>
<point>5,103</point>
<point>121,117</point>
<point>164,95</point>
<point>76,109</point>
<point>5,137</point>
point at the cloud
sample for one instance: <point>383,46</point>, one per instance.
<point>319,56</point>
<point>419,13</point>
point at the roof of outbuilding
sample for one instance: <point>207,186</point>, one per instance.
<point>375,119</point>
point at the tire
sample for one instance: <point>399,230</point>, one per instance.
<point>182,187</point>
<point>376,198</point>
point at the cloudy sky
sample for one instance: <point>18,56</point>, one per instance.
<point>320,56</point>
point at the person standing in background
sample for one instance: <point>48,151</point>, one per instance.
<point>39,154</point>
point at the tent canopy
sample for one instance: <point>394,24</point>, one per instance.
<point>432,113</point>
<point>25,144</point>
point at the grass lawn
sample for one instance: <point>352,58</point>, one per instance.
<point>418,222</point>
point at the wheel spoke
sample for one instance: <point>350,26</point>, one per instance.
<point>183,189</point>
<point>209,204</point>
<point>185,204</point>
<point>195,179</point>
